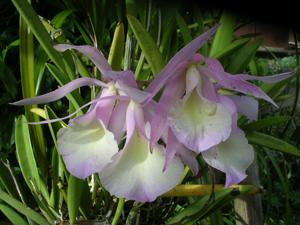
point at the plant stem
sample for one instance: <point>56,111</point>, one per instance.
<point>118,212</point>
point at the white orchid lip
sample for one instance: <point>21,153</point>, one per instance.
<point>86,149</point>
<point>199,123</point>
<point>137,174</point>
<point>232,157</point>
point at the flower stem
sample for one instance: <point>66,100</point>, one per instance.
<point>205,189</point>
<point>118,211</point>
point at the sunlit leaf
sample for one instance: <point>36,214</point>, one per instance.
<point>224,33</point>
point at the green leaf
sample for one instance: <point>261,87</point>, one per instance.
<point>8,80</point>
<point>184,30</point>
<point>36,217</point>
<point>60,18</point>
<point>241,58</point>
<point>26,158</point>
<point>169,31</point>
<point>147,44</point>
<point>117,48</point>
<point>201,206</point>
<point>224,33</point>
<point>75,188</point>
<point>266,122</point>
<point>14,217</point>
<point>229,49</point>
<point>272,142</point>
<point>57,167</point>
<point>39,31</point>
<point>40,65</point>
<point>28,89</point>
<point>7,181</point>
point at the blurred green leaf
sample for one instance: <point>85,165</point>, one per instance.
<point>169,32</point>
<point>57,166</point>
<point>12,215</point>
<point>33,21</point>
<point>117,48</point>
<point>7,181</point>
<point>61,17</point>
<point>224,34</point>
<point>231,48</point>
<point>242,57</point>
<point>8,79</point>
<point>265,122</point>
<point>202,206</point>
<point>184,30</point>
<point>75,189</point>
<point>147,44</point>
<point>272,143</point>
<point>36,217</point>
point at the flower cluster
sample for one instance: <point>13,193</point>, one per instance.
<point>157,138</point>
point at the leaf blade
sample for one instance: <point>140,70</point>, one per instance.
<point>147,44</point>
<point>272,142</point>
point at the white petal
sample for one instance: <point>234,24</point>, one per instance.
<point>232,157</point>
<point>137,174</point>
<point>192,79</point>
<point>246,105</point>
<point>86,149</point>
<point>199,123</point>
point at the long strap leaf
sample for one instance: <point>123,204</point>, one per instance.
<point>26,158</point>
<point>147,44</point>
<point>28,90</point>
<point>36,217</point>
<point>39,31</point>
<point>273,143</point>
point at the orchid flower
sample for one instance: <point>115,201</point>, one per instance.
<point>200,117</point>
<point>89,141</point>
<point>89,144</point>
<point>135,173</point>
<point>191,117</point>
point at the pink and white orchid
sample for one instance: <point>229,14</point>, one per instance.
<point>89,144</point>
<point>191,117</point>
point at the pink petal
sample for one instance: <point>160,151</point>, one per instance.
<point>180,60</point>
<point>60,92</point>
<point>268,79</point>
<point>117,120</point>
<point>92,53</point>
<point>189,158</point>
<point>104,108</point>
<point>174,147</point>
<point>246,106</point>
<point>134,93</point>
<point>236,83</point>
<point>231,107</point>
<point>172,92</point>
